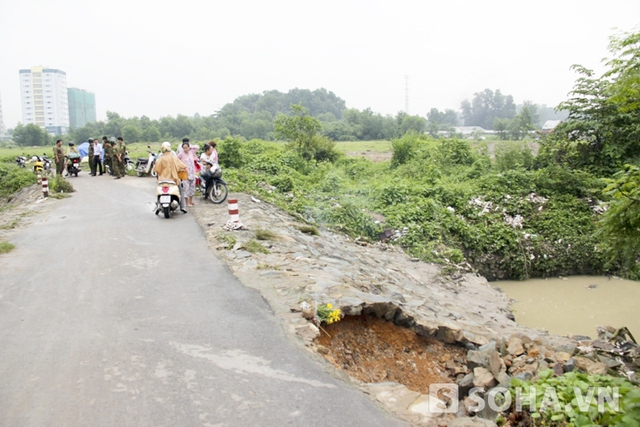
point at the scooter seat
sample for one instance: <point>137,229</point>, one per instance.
<point>142,160</point>
<point>167,182</point>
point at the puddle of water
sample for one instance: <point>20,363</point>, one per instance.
<point>576,304</point>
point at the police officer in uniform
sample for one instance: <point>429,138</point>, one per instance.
<point>108,165</point>
<point>58,155</point>
<point>92,165</point>
<point>123,152</point>
<point>115,158</point>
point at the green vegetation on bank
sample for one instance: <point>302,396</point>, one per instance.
<point>448,201</point>
<point>576,399</point>
<point>571,207</point>
<point>511,216</point>
<point>13,179</point>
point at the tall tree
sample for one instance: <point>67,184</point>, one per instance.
<point>485,107</point>
<point>30,135</point>
<point>604,112</point>
<point>299,127</point>
<point>603,129</point>
<point>441,121</point>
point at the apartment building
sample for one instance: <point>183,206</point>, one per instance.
<point>44,99</point>
<point>82,107</point>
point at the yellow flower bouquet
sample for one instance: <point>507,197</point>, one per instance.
<point>325,313</point>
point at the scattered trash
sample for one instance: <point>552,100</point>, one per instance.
<point>234,225</point>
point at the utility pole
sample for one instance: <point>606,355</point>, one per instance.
<point>406,94</point>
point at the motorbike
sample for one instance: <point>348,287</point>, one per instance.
<point>144,167</point>
<point>21,161</point>
<point>39,164</point>
<point>168,195</point>
<point>128,163</point>
<point>47,163</point>
<point>73,167</point>
<point>217,191</point>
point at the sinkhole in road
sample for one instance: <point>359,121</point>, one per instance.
<point>375,350</point>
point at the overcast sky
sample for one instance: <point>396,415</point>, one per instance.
<point>160,58</point>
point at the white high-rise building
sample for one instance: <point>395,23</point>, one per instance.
<point>44,99</point>
<point>2,129</point>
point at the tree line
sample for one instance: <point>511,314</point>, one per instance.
<point>253,116</point>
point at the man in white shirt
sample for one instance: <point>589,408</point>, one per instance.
<point>97,156</point>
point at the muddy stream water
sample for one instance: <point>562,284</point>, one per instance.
<point>576,304</point>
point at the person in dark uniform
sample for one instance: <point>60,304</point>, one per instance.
<point>58,156</point>
<point>123,152</point>
<point>116,155</point>
<point>90,156</point>
<point>108,165</point>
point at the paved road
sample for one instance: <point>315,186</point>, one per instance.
<point>110,316</point>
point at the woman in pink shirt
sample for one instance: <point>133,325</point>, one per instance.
<point>187,155</point>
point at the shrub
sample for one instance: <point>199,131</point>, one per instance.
<point>230,153</point>
<point>284,183</point>
<point>6,247</point>
<point>405,148</point>
<point>455,152</point>
<point>324,149</point>
<point>13,179</point>
<point>61,185</point>
<point>513,156</point>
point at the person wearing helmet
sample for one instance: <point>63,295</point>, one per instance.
<point>167,167</point>
<point>72,150</point>
<point>72,153</point>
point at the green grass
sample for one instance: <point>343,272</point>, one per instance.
<point>6,247</point>
<point>253,247</point>
<point>308,229</point>
<point>360,146</point>
<point>228,239</point>
<point>263,234</point>
<point>9,154</point>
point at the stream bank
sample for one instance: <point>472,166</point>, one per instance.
<point>380,281</point>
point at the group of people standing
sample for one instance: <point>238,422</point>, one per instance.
<point>107,155</point>
<point>110,152</point>
<point>169,165</point>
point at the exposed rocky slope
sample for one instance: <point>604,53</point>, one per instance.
<point>381,280</point>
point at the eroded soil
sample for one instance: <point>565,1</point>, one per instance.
<point>375,350</point>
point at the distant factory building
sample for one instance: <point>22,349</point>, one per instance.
<point>82,107</point>
<point>44,99</point>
